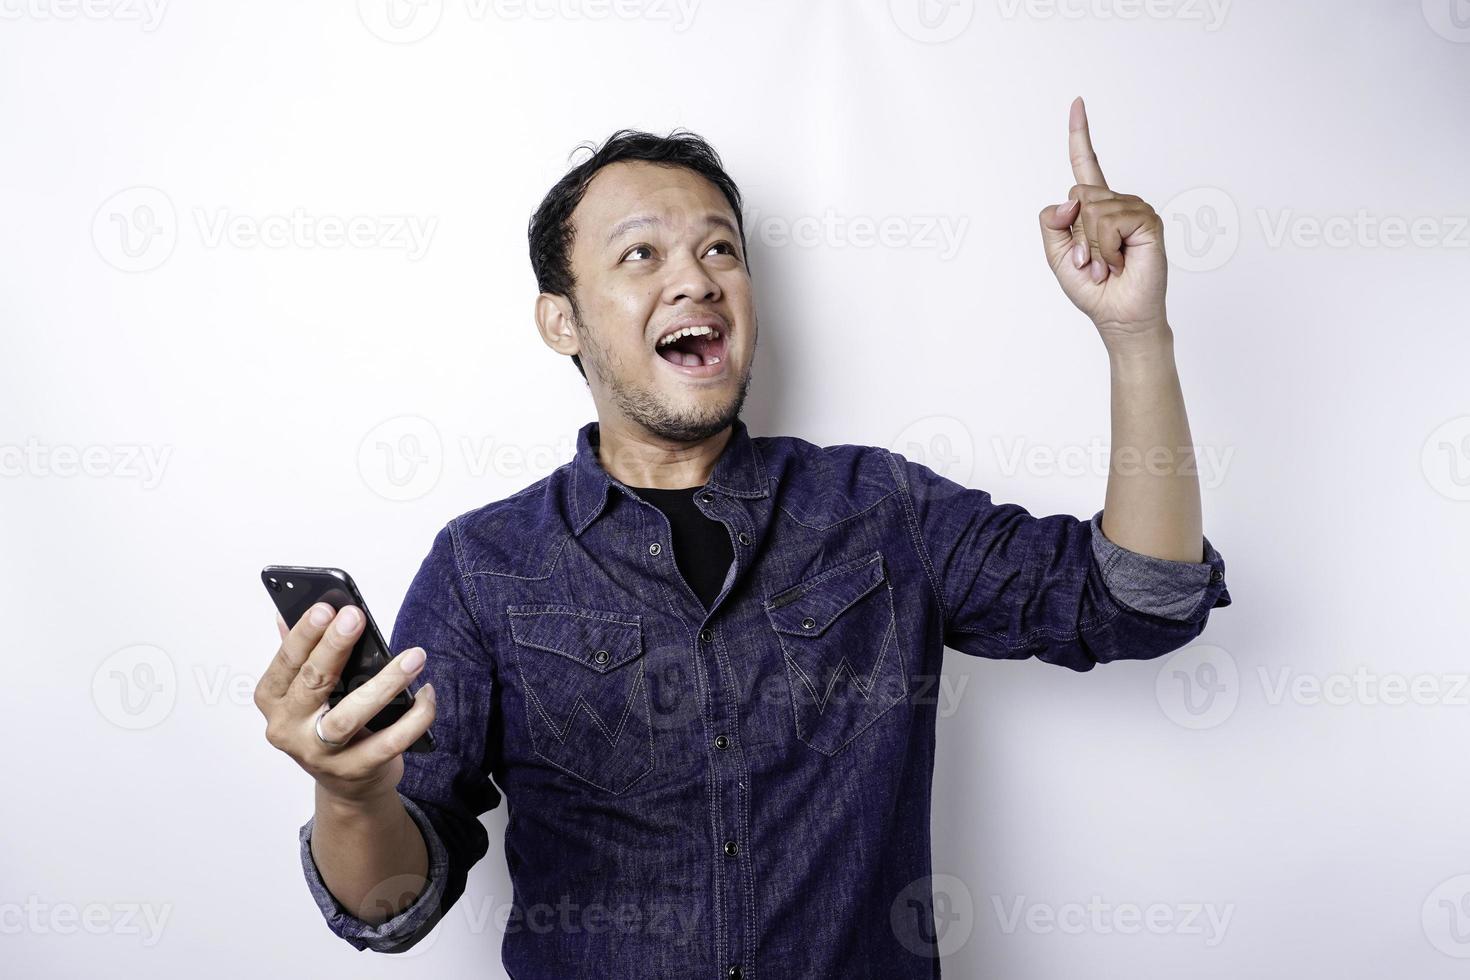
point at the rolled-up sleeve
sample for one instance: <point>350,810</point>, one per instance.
<point>1011,585</point>
<point>410,923</point>
<point>447,790</point>
<point>1182,590</point>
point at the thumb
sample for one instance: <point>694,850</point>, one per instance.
<point>1056,231</point>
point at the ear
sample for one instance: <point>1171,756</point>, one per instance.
<point>554,321</point>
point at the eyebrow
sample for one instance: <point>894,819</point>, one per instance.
<point>711,220</point>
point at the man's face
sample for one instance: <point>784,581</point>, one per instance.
<point>656,250</point>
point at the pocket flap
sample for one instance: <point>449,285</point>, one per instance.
<point>809,607</point>
<point>596,639</point>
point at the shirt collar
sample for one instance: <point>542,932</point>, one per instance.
<point>739,472</point>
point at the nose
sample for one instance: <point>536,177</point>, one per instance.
<point>689,280</point>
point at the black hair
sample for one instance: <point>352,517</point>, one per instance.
<point>551,232</point>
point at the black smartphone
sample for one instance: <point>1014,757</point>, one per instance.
<point>295,589</point>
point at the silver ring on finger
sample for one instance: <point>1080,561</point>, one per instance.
<point>318,727</point>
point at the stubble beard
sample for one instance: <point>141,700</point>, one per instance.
<point>646,407</point>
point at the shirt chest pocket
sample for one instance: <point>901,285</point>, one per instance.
<point>586,698</point>
<point>839,637</point>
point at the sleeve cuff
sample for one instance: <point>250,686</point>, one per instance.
<point>387,936</point>
<point>1180,590</point>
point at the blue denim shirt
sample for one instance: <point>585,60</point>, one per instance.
<point>743,793</point>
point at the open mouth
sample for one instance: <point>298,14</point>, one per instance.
<point>695,350</point>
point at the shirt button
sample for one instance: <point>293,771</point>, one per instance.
<point>707,497</point>
<point>808,623</point>
<point>654,548</point>
<point>743,538</point>
<point>706,634</point>
<point>600,656</point>
<point>734,973</point>
<point>730,848</point>
<point>722,741</point>
<point>1216,575</point>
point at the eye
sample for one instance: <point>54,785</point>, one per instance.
<point>637,248</point>
<point>729,248</point>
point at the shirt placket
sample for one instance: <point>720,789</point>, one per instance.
<point>729,799</point>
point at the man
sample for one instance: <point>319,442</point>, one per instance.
<point>694,661</point>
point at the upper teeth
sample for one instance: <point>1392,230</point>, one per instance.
<point>698,331</point>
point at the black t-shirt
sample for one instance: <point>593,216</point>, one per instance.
<point>701,545</point>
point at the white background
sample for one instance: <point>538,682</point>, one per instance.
<point>235,403</point>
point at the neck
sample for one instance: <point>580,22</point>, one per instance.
<point>636,457</point>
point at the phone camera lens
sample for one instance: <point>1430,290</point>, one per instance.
<point>275,585</point>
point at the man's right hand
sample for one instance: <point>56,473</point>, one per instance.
<point>296,685</point>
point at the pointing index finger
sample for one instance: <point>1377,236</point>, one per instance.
<point>1085,169</point>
